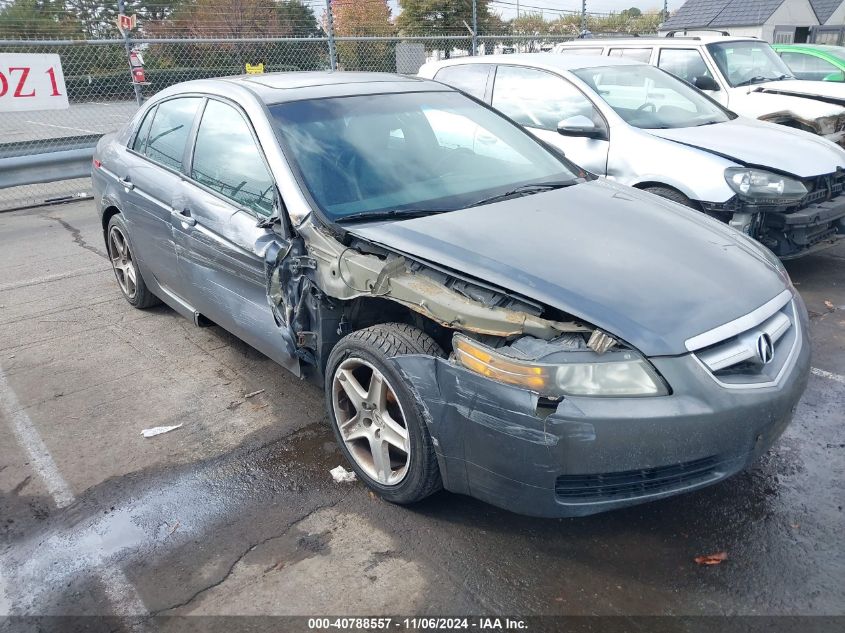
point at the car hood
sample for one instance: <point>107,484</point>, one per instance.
<point>751,142</point>
<point>828,89</point>
<point>646,270</point>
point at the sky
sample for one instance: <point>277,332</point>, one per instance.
<point>598,6</point>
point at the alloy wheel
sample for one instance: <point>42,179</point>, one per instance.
<point>121,261</point>
<point>371,421</point>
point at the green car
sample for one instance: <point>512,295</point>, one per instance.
<point>818,62</point>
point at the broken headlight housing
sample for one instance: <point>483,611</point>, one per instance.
<point>764,187</point>
<point>616,374</point>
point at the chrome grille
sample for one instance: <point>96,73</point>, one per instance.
<point>744,348</point>
<point>751,351</point>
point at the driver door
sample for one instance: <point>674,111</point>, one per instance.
<point>689,65</point>
<point>540,101</point>
<point>220,246</point>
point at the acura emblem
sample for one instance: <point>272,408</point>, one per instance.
<point>765,349</point>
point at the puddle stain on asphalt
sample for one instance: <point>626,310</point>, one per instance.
<point>126,520</point>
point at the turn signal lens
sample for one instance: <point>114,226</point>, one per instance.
<point>620,374</point>
<point>484,361</point>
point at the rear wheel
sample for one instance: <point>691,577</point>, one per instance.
<point>671,194</point>
<point>125,268</point>
<point>376,419</point>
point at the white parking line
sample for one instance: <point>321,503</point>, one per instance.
<point>121,593</point>
<point>29,439</point>
<point>64,127</point>
<point>37,281</point>
<point>828,374</point>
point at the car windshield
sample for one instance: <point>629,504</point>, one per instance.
<point>410,153</point>
<point>749,63</point>
<point>649,98</point>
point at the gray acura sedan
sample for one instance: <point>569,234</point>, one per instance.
<point>484,316</point>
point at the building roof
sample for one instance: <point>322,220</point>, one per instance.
<point>722,13</point>
<point>824,8</point>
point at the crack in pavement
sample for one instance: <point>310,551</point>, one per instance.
<point>76,234</point>
<point>241,556</point>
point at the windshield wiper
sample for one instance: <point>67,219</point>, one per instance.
<point>759,79</point>
<point>526,190</point>
<point>389,214</point>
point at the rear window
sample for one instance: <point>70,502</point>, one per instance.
<point>635,54</point>
<point>471,78</point>
<point>170,129</point>
<point>140,142</point>
<point>592,50</point>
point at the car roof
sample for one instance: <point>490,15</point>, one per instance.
<point>273,88</point>
<point>654,40</point>
<point>548,61</point>
<point>819,48</point>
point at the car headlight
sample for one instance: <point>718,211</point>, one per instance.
<point>620,374</point>
<point>764,187</point>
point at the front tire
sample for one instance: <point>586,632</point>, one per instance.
<point>671,194</point>
<point>377,421</point>
<point>125,267</point>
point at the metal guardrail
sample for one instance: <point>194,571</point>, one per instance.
<point>67,158</point>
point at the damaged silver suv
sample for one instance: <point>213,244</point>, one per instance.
<point>484,316</point>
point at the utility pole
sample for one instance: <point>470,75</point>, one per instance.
<point>517,8</point>
<point>330,34</point>
<point>474,27</point>
<point>139,98</point>
<point>583,16</point>
<point>665,10</point>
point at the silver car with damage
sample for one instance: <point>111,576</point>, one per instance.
<point>483,315</point>
<point>641,126</point>
<point>742,73</point>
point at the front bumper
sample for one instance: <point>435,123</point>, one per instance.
<point>589,455</point>
<point>807,230</point>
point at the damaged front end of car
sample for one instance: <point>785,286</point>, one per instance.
<point>816,114</point>
<point>792,217</point>
<point>320,289</point>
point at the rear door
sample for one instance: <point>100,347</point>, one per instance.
<point>221,247</point>
<point>541,101</point>
<point>151,183</point>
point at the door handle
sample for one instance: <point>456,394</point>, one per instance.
<point>184,216</point>
<point>128,184</point>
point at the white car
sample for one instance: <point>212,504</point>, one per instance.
<point>742,73</point>
<point>642,127</point>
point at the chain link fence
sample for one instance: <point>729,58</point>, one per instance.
<point>102,95</point>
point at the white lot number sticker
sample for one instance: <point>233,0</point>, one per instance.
<point>31,82</point>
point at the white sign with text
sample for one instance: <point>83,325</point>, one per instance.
<point>31,82</point>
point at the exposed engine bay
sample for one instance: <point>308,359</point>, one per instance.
<point>320,289</point>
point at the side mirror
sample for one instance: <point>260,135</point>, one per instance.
<point>705,82</point>
<point>838,76</point>
<point>580,126</point>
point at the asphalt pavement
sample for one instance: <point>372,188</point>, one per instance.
<point>235,512</point>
